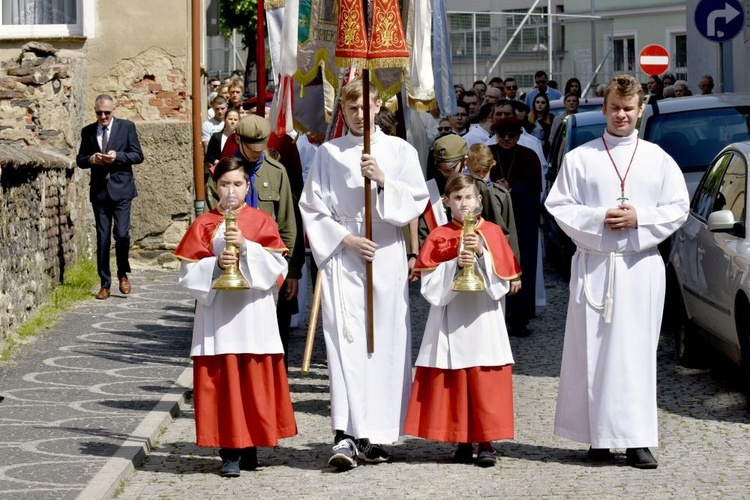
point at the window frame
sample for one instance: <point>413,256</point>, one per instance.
<point>84,26</point>
<point>624,36</point>
<point>701,198</point>
<point>671,43</point>
<point>740,178</point>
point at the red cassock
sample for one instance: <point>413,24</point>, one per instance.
<point>240,399</point>
<point>472,404</point>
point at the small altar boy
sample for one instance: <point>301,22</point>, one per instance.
<point>462,389</point>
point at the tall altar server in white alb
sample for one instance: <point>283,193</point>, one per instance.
<point>617,197</point>
<point>369,392</point>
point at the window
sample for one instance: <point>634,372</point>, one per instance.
<point>43,18</point>
<point>732,191</point>
<point>463,35</point>
<point>705,197</point>
<point>679,55</point>
<point>533,36</point>
<point>624,54</point>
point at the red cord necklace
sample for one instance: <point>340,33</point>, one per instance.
<point>622,198</point>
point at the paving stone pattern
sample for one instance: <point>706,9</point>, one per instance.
<point>705,440</point>
<point>74,395</point>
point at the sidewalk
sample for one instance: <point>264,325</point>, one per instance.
<point>86,399</point>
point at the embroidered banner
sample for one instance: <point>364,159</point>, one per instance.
<point>351,42</point>
<point>387,41</point>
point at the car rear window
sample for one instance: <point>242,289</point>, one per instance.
<point>694,138</point>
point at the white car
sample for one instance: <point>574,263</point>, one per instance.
<point>709,266</point>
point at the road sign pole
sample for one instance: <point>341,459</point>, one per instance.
<point>721,67</point>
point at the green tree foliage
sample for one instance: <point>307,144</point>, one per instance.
<point>241,15</point>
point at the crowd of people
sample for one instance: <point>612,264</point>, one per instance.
<point>460,193</point>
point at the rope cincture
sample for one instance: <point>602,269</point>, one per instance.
<point>607,305</point>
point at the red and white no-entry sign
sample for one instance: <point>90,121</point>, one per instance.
<point>654,59</point>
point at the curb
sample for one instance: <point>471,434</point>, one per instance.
<point>137,446</point>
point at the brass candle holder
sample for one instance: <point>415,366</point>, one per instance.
<point>468,280</point>
<point>232,278</point>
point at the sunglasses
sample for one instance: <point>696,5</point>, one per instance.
<point>444,129</point>
<point>511,87</point>
<point>105,113</point>
<point>507,135</point>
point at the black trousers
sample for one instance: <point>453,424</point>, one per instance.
<point>285,309</point>
<point>105,213</point>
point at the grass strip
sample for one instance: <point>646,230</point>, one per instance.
<point>76,287</point>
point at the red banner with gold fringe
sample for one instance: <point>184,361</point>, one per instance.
<point>387,41</point>
<point>351,42</point>
<point>386,47</point>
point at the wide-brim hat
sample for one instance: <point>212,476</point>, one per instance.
<point>449,148</point>
<point>507,123</point>
<point>253,131</point>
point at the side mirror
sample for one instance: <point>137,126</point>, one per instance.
<point>722,221</point>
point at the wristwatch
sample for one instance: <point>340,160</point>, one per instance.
<point>411,256</point>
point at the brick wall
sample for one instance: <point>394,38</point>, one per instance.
<point>41,234</point>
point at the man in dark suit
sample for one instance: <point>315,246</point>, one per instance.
<point>110,148</point>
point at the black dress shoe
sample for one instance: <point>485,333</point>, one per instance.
<point>600,454</point>
<point>249,458</point>
<point>464,453</point>
<point>519,331</point>
<point>640,458</point>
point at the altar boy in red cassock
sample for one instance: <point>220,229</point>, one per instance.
<point>240,387</point>
<point>462,390</point>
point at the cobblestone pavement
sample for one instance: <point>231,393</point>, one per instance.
<point>705,440</point>
<point>84,398</point>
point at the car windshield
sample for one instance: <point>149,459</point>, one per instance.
<point>694,138</point>
<point>583,134</point>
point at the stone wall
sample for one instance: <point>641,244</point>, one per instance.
<point>163,209</point>
<point>41,98</point>
<point>46,220</point>
<point>40,234</point>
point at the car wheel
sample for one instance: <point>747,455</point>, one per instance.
<point>742,322</point>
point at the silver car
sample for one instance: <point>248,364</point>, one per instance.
<point>693,130</point>
<point>709,264</point>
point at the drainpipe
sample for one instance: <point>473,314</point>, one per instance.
<point>195,80</point>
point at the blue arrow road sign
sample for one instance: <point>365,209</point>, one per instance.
<point>719,20</point>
